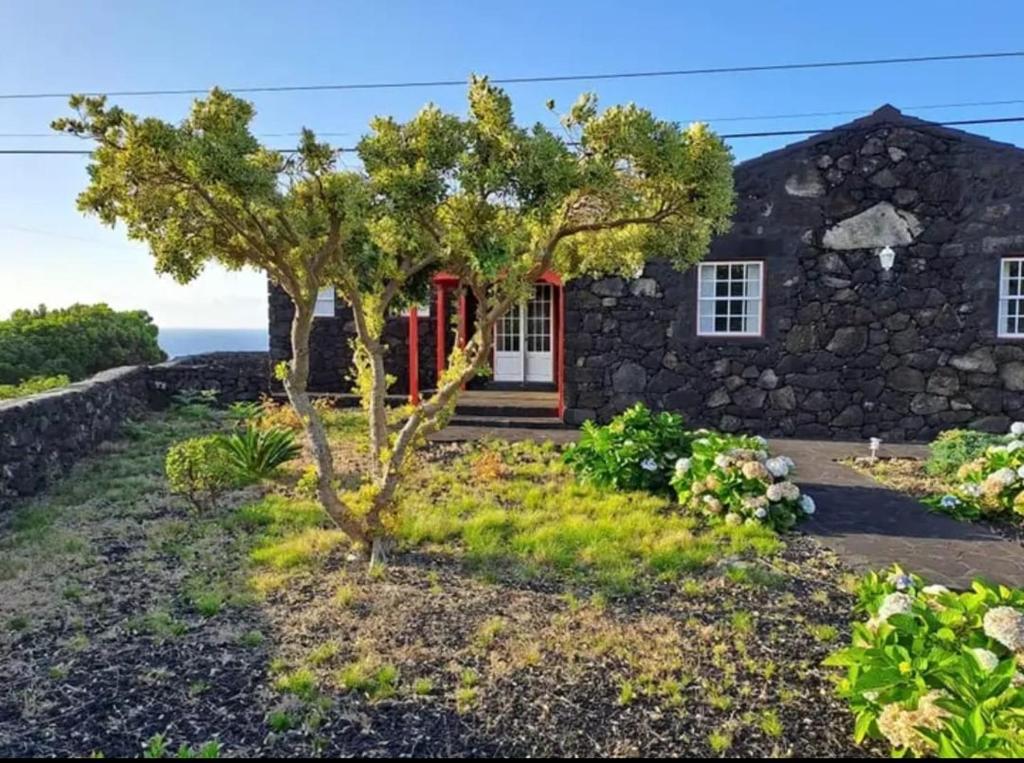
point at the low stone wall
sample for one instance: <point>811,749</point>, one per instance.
<point>234,376</point>
<point>43,435</point>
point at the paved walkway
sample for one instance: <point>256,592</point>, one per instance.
<point>869,526</point>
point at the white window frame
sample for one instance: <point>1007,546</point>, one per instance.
<point>324,307</point>
<point>758,298</point>
<point>1006,298</point>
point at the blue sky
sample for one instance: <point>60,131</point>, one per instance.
<point>51,253</point>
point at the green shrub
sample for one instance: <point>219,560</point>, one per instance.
<point>732,478</point>
<point>75,342</point>
<point>956,447</point>
<point>992,483</point>
<point>934,672</point>
<point>255,454</point>
<point>198,469</point>
<point>637,450</point>
<point>33,386</point>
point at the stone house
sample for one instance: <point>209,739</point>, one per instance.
<point>872,285</point>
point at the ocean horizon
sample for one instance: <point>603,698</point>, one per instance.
<point>177,342</point>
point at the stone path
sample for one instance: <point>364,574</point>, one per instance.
<point>871,527</point>
<point>868,525</point>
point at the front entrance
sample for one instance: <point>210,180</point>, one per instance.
<point>524,340</point>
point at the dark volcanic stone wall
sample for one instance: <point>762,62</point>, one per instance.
<point>849,351</point>
<point>43,435</point>
<point>331,351</point>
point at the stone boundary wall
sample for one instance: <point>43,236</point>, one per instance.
<point>42,436</point>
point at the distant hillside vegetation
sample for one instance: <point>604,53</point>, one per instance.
<point>74,342</point>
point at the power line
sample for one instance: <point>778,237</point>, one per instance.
<point>725,136</point>
<point>545,78</point>
<point>743,118</point>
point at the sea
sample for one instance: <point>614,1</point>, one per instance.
<point>177,342</point>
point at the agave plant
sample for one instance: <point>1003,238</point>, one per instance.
<point>255,454</point>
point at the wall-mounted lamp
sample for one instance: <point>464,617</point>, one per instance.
<point>886,258</point>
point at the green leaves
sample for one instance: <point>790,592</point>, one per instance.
<point>636,451</point>
<point>256,453</point>
<point>938,683</point>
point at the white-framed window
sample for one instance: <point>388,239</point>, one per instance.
<point>324,303</point>
<point>729,298</point>
<point>1011,297</point>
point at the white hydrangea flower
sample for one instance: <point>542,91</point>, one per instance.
<point>670,456</point>
<point>951,501</point>
<point>761,442</point>
<point>972,489</point>
<point>733,519</point>
<point>1014,445</point>
<point>934,590</point>
<point>789,491</point>
<point>761,513</point>
<point>1006,475</point>
<point>777,466</point>
<point>895,604</point>
<point>1020,472</point>
<point>682,466</point>
<point>1005,625</point>
<point>987,661</point>
<point>722,461</point>
<point>807,504</point>
<point>1017,428</point>
<point>649,464</point>
<point>774,492</point>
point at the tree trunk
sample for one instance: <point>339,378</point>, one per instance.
<point>296,384</point>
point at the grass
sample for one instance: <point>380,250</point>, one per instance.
<point>531,520</point>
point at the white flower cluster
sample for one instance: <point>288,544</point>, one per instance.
<point>1005,625</point>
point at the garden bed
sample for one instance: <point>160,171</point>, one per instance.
<point>515,620</point>
<point>909,476</point>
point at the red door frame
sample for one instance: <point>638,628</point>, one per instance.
<point>443,282</point>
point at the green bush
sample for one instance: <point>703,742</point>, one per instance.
<point>956,447</point>
<point>75,342</point>
<point>733,478</point>
<point>991,483</point>
<point>199,469</point>
<point>934,672</point>
<point>32,386</point>
<point>255,453</point>
<point>637,450</point>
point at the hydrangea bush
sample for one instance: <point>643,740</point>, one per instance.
<point>733,478</point>
<point>936,672</point>
<point>637,450</point>
<point>992,483</point>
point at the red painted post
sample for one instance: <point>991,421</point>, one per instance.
<point>463,321</point>
<point>561,351</point>
<point>439,333</point>
<point>414,356</point>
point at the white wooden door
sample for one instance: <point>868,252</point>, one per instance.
<point>523,341</point>
<point>539,356</point>
<point>508,347</point>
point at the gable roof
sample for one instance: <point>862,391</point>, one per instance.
<point>885,115</point>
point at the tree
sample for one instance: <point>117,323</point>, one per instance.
<point>480,197</point>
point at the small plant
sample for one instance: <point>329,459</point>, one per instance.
<point>281,721</point>
<point>421,687</point>
<point>255,454</point>
<point>301,683</point>
<point>197,469</point>
<point>732,478</point>
<point>823,632</point>
<point>934,672</point>
<point>195,403</point>
<point>245,412</point>
<point>370,678</point>
<point>992,483</point>
<point>637,450</point>
<point>956,447</point>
